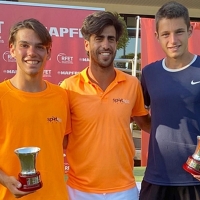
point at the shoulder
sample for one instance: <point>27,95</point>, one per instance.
<point>4,88</point>
<point>198,58</point>
<point>131,83</point>
<point>154,64</point>
<point>72,78</point>
<point>3,84</point>
<point>126,77</point>
<point>152,67</point>
<point>55,88</point>
<point>73,81</point>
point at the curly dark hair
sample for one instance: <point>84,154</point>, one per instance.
<point>97,21</point>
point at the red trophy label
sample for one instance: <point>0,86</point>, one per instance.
<point>192,164</point>
<point>29,177</point>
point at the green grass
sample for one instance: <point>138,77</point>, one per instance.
<point>138,173</point>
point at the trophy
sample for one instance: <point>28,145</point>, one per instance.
<point>29,177</point>
<point>192,164</point>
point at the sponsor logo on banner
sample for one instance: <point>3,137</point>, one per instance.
<point>7,57</point>
<point>84,59</point>
<point>61,32</point>
<point>47,73</point>
<point>64,59</point>
<point>1,22</point>
<point>10,71</point>
<point>67,72</point>
<point>1,40</point>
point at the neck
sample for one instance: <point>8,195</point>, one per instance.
<point>28,85</point>
<point>173,63</point>
<point>103,77</point>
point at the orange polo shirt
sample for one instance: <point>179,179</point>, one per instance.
<point>100,148</point>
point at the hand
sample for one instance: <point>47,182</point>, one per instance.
<point>196,176</point>
<point>13,186</point>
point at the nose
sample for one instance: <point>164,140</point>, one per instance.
<point>172,38</point>
<point>31,51</point>
<point>105,43</point>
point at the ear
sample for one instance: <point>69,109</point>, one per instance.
<point>156,35</point>
<point>12,50</point>
<point>86,42</point>
<point>49,53</point>
<point>190,31</point>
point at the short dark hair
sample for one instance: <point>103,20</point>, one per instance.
<point>172,10</point>
<point>36,26</point>
<point>97,21</point>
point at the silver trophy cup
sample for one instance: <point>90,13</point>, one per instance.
<point>192,164</point>
<point>29,177</point>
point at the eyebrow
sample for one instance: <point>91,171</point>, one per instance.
<point>179,29</point>
<point>103,36</point>
<point>22,41</point>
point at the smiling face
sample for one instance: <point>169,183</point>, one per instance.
<point>30,54</point>
<point>173,37</point>
<point>102,48</point>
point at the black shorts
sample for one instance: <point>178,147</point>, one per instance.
<point>159,192</point>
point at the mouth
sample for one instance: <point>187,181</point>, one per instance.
<point>105,53</point>
<point>174,48</point>
<point>32,62</point>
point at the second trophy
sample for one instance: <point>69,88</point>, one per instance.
<point>192,164</point>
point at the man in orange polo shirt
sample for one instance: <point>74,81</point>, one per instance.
<point>102,99</point>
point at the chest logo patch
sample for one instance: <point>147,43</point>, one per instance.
<point>194,82</point>
<point>120,100</point>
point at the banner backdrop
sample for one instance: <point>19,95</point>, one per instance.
<point>150,52</point>
<point>63,23</point>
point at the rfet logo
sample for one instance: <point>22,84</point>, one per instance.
<point>7,57</point>
<point>64,59</point>
<point>47,73</point>
<point>1,22</point>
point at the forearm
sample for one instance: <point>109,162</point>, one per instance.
<point>3,178</point>
<point>12,184</point>
<point>144,122</point>
<point>147,125</point>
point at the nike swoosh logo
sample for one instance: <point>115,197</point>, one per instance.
<point>194,83</point>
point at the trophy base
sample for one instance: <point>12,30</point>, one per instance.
<point>30,182</point>
<point>192,166</point>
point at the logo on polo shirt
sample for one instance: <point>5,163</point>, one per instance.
<point>120,100</point>
<point>54,119</point>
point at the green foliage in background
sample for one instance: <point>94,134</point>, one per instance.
<point>131,56</point>
<point>124,39</point>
